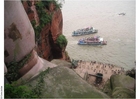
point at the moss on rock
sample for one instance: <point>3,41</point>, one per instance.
<point>60,62</point>
<point>122,81</point>
<point>107,88</point>
<point>62,82</point>
<point>120,92</point>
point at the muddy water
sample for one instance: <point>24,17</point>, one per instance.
<point>118,30</point>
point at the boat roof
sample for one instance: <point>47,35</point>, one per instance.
<point>101,39</point>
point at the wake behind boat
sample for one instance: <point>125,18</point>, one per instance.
<point>96,40</point>
<point>84,31</point>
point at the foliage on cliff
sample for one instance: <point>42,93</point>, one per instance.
<point>57,4</point>
<point>22,91</point>
<point>44,17</point>
<point>11,91</point>
<point>14,67</point>
<point>61,41</point>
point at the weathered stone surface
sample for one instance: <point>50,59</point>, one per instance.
<point>122,81</point>
<point>5,69</point>
<point>107,88</point>
<point>30,63</point>
<point>19,34</point>
<point>62,82</point>
<point>44,47</point>
<point>39,67</point>
<point>120,86</point>
<point>14,33</point>
<point>60,62</point>
<point>57,23</point>
<point>65,56</point>
<point>28,8</point>
<point>120,92</point>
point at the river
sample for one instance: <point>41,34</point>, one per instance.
<point>117,30</point>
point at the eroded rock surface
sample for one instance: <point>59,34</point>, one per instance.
<point>120,86</point>
<point>62,82</point>
<point>46,46</point>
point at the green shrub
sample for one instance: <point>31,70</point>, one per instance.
<point>11,91</point>
<point>61,41</point>
<point>57,4</point>
<point>44,19</point>
<point>43,16</point>
<point>22,91</point>
<point>13,68</point>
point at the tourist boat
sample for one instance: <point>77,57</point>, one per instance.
<point>84,31</point>
<point>96,40</point>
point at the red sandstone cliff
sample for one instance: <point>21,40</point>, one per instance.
<point>21,60</point>
<point>46,46</point>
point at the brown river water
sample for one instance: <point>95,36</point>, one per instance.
<point>117,30</point>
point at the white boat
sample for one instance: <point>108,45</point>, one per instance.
<point>84,31</point>
<point>96,40</point>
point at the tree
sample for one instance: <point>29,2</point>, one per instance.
<point>62,41</point>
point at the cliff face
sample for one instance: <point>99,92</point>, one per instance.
<point>46,46</point>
